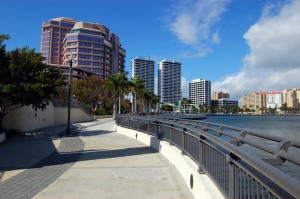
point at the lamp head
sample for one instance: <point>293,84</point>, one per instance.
<point>71,58</point>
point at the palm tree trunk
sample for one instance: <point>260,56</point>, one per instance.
<point>1,122</point>
<point>114,108</point>
<point>119,104</point>
<point>134,103</point>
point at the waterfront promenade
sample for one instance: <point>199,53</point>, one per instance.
<point>95,162</point>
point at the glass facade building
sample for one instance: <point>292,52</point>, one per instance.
<point>144,68</point>
<point>92,45</point>
<point>169,81</point>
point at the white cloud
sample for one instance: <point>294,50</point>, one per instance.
<point>273,63</point>
<point>192,22</point>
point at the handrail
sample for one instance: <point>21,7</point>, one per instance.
<point>191,129</point>
<point>271,172</point>
<point>242,139</point>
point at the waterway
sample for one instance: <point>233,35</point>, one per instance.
<point>284,126</point>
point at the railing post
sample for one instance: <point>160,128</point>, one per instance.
<point>201,155</point>
<point>170,132</point>
<point>148,127</point>
<point>158,131</point>
<point>183,141</point>
<point>232,178</point>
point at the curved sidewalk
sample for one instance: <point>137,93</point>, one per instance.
<point>110,165</point>
<point>115,166</point>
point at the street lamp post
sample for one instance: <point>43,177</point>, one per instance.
<point>68,130</point>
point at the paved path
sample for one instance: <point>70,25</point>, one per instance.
<point>33,180</point>
<point>109,165</point>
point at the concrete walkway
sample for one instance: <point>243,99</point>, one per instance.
<point>97,163</point>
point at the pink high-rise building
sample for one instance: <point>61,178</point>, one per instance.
<point>92,45</point>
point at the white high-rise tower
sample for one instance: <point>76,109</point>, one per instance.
<point>200,91</point>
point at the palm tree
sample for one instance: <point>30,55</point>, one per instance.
<point>136,87</point>
<point>175,103</point>
<point>185,101</point>
<point>118,83</point>
<point>149,98</point>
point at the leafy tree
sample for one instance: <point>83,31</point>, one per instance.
<point>167,107</point>
<point>24,79</point>
<point>90,90</point>
<point>125,105</point>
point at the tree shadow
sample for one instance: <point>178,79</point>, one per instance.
<point>26,152</point>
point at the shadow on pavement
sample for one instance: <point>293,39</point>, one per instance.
<point>27,152</point>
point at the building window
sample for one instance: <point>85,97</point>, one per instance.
<point>98,46</point>
<point>97,58</point>
<point>97,52</point>
<point>84,63</point>
<point>71,50</point>
<point>80,56</point>
<point>72,44</point>
<point>85,44</point>
<point>83,50</point>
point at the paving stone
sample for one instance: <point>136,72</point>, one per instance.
<point>30,182</point>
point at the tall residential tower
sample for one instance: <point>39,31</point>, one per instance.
<point>169,81</point>
<point>144,68</point>
<point>200,91</point>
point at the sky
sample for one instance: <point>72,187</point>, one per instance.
<point>241,46</point>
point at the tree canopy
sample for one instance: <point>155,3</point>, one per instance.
<point>25,79</point>
<point>91,90</point>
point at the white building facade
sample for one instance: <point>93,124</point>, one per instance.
<point>273,100</point>
<point>169,81</point>
<point>144,68</point>
<point>200,92</point>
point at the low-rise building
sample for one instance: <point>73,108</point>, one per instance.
<point>255,101</point>
<point>224,105</point>
<point>220,95</point>
<point>291,97</point>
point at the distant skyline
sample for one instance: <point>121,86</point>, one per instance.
<point>241,46</point>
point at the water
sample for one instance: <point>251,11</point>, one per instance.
<point>283,126</point>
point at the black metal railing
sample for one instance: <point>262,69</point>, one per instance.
<point>216,150</point>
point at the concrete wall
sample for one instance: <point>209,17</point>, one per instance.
<point>28,119</point>
<point>77,115</point>
<point>202,187</point>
